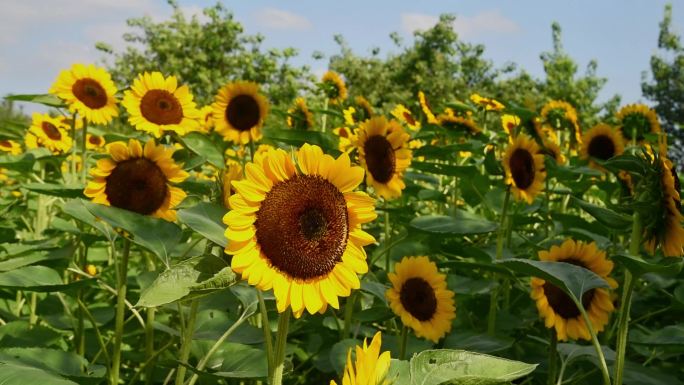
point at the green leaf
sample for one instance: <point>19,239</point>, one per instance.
<point>399,372</point>
<point>439,224</point>
<point>206,219</point>
<point>607,217</point>
<point>481,343</point>
<point>672,335</point>
<point>572,352</point>
<point>54,189</point>
<point>237,361</point>
<point>44,99</point>
<point>573,280</point>
<point>444,169</point>
<point>36,278</point>
<point>21,334</point>
<point>201,145</point>
<point>76,208</point>
<point>35,257</point>
<point>435,367</point>
<point>21,163</point>
<point>298,137</point>
<point>154,234</point>
<point>21,374</point>
<point>59,362</point>
<point>638,266</point>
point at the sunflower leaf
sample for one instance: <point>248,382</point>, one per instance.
<point>607,217</point>
<point>37,278</point>
<point>44,99</point>
<point>201,145</point>
<point>444,225</point>
<point>55,189</point>
<point>639,267</point>
<point>206,219</point>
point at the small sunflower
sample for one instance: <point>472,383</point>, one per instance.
<point>419,295</point>
<point>347,138</point>
<point>94,142</point>
<point>299,117</point>
<point>384,153</point>
<point>66,165</point>
<point>138,179</point>
<point>427,109</point>
<point>156,104</point>
<point>239,112</point>
<point>553,150</point>
<point>334,87</point>
<point>10,146</point>
<point>558,309</point>
<point>635,120</point>
<point>299,232</point>
<point>560,115</point>
<point>370,366</point>
<point>524,167</point>
<point>88,90</point>
<point>206,119</point>
<point>232,173</point>
<point>67,121</point>
<point>48,133</point>
<point>362,111</point>
<point>458,123</point>
<point>668,231</point>
<point>488,104</point>
<point>510,123</point>
<point>404,115</point>
<point>601,142</point>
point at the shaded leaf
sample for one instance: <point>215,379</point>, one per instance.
<point>44,99</point>
<point>37,278</point>
<point>439,224</point>
<point>206,219</point>
<point>201,145</point>
<point>54,189</point>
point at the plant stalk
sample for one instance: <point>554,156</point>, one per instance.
<point>281,341</point>
<point>501,236</point>
<point>120,309</point>
<point>187,342</point>
<point>404,339</point>
<point>266,327</point>
<point>553,357</point>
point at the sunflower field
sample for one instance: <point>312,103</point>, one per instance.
<point>146,238</point>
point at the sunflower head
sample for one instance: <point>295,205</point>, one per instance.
<point>509,124</point>
<point>206,119</point>
<point>384,153</point>
<point>401,113</point>
<point>427,108</point>
<point>48,132</point>
<point>138,179</point>
<point>239,112</point>
<point>558,309</point>
<point>333,87</point>
<point>419,295</point>
<point>488,104</point>
<point>370,366</point>
<point>10,146</point>
<point>553,150</point>
<point>296,227</point>
<point>636,120</point>
<point>524,166</point>
<point>601,142</point>
<point>94,142</point>
<point>458,124</point>
<point>299,117</point>
<point>663,222</point>
<point>347,138</point>
<point>88,90</point>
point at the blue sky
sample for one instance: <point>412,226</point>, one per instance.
<point>40,37</point>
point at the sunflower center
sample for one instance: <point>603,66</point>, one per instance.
<point>409,118</point>
<point>95,140</point>
<point>90,93</point>
<point>380,158</point>
<point>5,143</point>
<point>243,112</point>
<point>560,302</point>
<point>161,107</point>
<point>602,147</point>
<point>51,131</point>
<point>418,298</point>
<point>302,226</point>
<point>137,185</point>
<point>522,168</point>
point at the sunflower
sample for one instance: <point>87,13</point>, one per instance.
<point>334,87</point>
<point>347,138</point>
<point>206,119</point>
<point>232,172</point>
<point>419,295</point>
<point>138,179</point>
<point>458,123</point>
<point>10,146</point>
<point>601,142</point>
<point>636,120</point>
<point>558,309</point>
<point>365,108</point>
<point>156,104</point>
<point>404,115</point>
<point>384,153</point>
<point>427,110</point>
<point>370,367</point>
<point>77,160</point>
<point>553,150</point>
<point>88,90</point>
<point>489,104</point>
<point>299,117</point>
<point>524,167</point>
<point>510,123</point>
<point>239,112</point>
<point>299,233</point>
<point>67,121</point>
<point>668,231</point>
<point>49,133</point>
<point>94,142</point>
<point>560,115</point>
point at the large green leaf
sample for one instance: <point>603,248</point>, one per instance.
<point>22,334</point>
<point>206,219</point>
<point>76,208</point>
<point>67,364</point>
<point>54,189</point>
<point>154,234</point>
<point>36,278</point>
<point>439,224</point>
<point>298,137</point>
<point>607,217</point>
<point>672,335</point>
<point>21,163</point>
<point>44,99</point>
<point>35,257</point>
<point>201,145</point>
<point>22,374</point>
<point>638,266</point>
<point>236,361</point>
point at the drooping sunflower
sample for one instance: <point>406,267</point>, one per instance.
<point>558,309</point>
<point>138,179</point>
<point>94,142</point>
<point>404,115</point>
<point>458,123</point>
<point>509,124</point>
<point>232,173</point>
<point>333,87</point>
<point>419,295</point>
<point>384,153</point>
<point>299,232</point>
<point>667,232</point>
<point>601,142</point>
<point>488,104</point>
<point>49,133</point>
<point>370,366</point>
<point>553,150</point>
<point>361,111</point>
<point>347,138</point>
<point>560,115</point>
<point>524,166</point>
<point>427,109</point>
<point>156,104</point>
<point>88,90</point>
<point>239,112</point>
<point>299,117</point>
<point>635,120</point>
<point>10,146</point>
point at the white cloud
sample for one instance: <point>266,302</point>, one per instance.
<point>278,19</point>
<point>412,22</point>
<point>487,22</point>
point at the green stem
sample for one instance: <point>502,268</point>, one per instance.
<point>402,346</point>
<point>187,342</point>
<point>84,154</point>
<point>501,236</point>
<point>553,357</point>
<point>281,341</point>
<point>120,308</point>
<point>266,327</point>
<point>594,340</point>
<point>348,312</point>
<point>149,331</point>
<point>387,239</point>
<point>324,118</point>
<point>33,318</point>
<point>72,168</point>
<point>626,302</point>
<point>252,150</point>
<point>100,340</point>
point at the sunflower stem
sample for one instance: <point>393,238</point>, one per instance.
<point>251,151</point>
<point>120,309</point>
<point>72,168</point>
<point>149,332</point>
<point>324,118</point>
<point>387,238</point>
<point>187,342</point>
<point>281,340</point>
<point>348,312</point>
<point>626,302</point>
<point>594,341</point>
<point>491,319</point>
<point>404,339</point>
<point>553,357</point>
<point>266,327</point>
<point>84,154</point>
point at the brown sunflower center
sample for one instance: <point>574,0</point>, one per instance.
<point>161,107</point>
<point>243,112</point>
<point>5,143</point>
<point>137,185</point>
<point>51,131</point>
<point>418,298</point>
<point>302,226</point>
<point>90,92</point>
<point>95,140</point>
<point>343,132</point>
<point>409,119</point>
<point>602,147</point>
<point>560,302</point>
<point>522,168</point>
<point>380,158</point>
